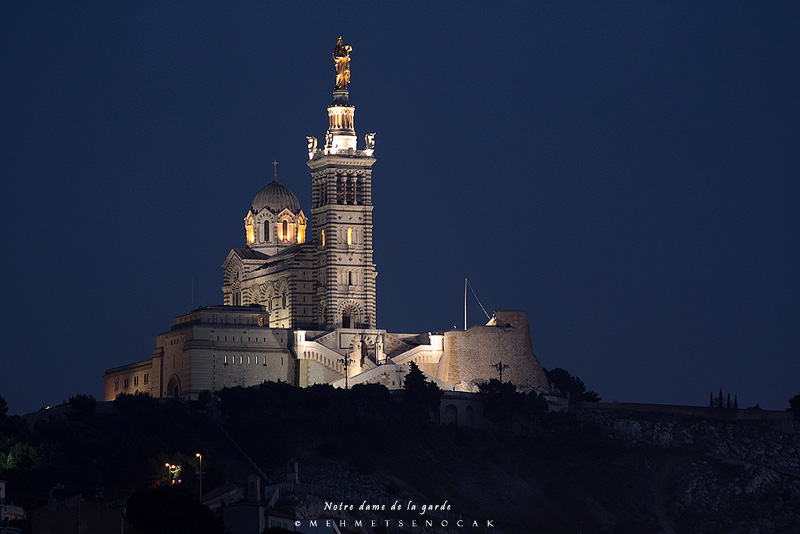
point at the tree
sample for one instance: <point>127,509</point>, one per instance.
<point>794,402</point>
<point>423,396</point>
<point>81,407</point>
<point>3,408</point>
<point>571,385</point>
<point>501,401</point>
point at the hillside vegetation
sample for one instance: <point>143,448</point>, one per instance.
<point>561,474</point>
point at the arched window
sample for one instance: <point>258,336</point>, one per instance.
<point>349,236</point>
<point>283,300</point>
<point>285,230</point>
<point>250,230</point>
<point>173,387</point>
<point>349,278</point>
<point>339,190</point>
<point>351,183</point>
<point>350,317</point>
<point>266,231</point>
<point>323,237</point>
<point>451,415</point>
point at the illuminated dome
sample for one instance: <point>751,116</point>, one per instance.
<point>276,197</point>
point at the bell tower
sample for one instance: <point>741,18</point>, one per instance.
<point>341,176</point>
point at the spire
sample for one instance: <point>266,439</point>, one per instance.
<point>341,113</point>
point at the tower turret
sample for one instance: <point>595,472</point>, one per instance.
<point>342,213</point>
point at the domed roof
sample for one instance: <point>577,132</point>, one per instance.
<point>275,197</point>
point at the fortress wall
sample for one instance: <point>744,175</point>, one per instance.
<point>249,368</point>
<point>470,354</point>
<point>312,373</point>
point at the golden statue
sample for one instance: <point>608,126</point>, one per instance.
<point>341,59</point>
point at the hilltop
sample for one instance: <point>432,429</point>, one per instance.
<point>531,471</point>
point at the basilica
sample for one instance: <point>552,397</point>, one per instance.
<point>299,298</point>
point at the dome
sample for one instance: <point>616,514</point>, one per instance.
<point>275,197</point>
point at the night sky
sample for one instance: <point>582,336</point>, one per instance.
<point>627,173</point>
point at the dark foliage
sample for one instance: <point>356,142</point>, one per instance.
<point>81,407</point>
<point>170,510</point>
<point>505,405</point>
<point>422,397</point>
<point>794,403</point>
<point>571,385</point>
<point>124,446</point>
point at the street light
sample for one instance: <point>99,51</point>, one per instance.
<point>200,458</point>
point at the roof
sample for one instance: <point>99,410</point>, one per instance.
<point>276,197</point>
<point>250,254</point>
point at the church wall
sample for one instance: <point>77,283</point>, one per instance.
<point>174,362</point>
<point>133,378</point>
<point>312,372</point>
<point>230,368</point>
<point>470,354</point>
<point>243,356</point>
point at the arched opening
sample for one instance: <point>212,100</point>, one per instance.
<point>173,387</point>
<point>451,415</point>
<point>350,317</point>
<point>266,231</point>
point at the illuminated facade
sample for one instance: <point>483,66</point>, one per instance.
<point>341,178</point>
<point>299,303</point>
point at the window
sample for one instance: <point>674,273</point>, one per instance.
<point>283,300</point>
<point>136,380</point>
<point>323,238</point>
<point>125,383</point>
<point>250,230</point>
<point>349,278</point>
<point>241,360</point>
<point>116,385</point>
<point>352,186</point>
<point>339,190</point>
<point>146,378</point>
<point>349,236</point>
<point>266,230</point>
<point>285,230</point>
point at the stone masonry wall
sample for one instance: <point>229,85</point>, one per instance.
<point>470,354</point>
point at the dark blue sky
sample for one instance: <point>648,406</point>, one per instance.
<point>628,173</point>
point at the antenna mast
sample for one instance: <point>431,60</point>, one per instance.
<point>465,303</point>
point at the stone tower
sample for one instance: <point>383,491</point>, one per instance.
<point>341,211</point>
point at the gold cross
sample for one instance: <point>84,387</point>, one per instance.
<point>275,163</point>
